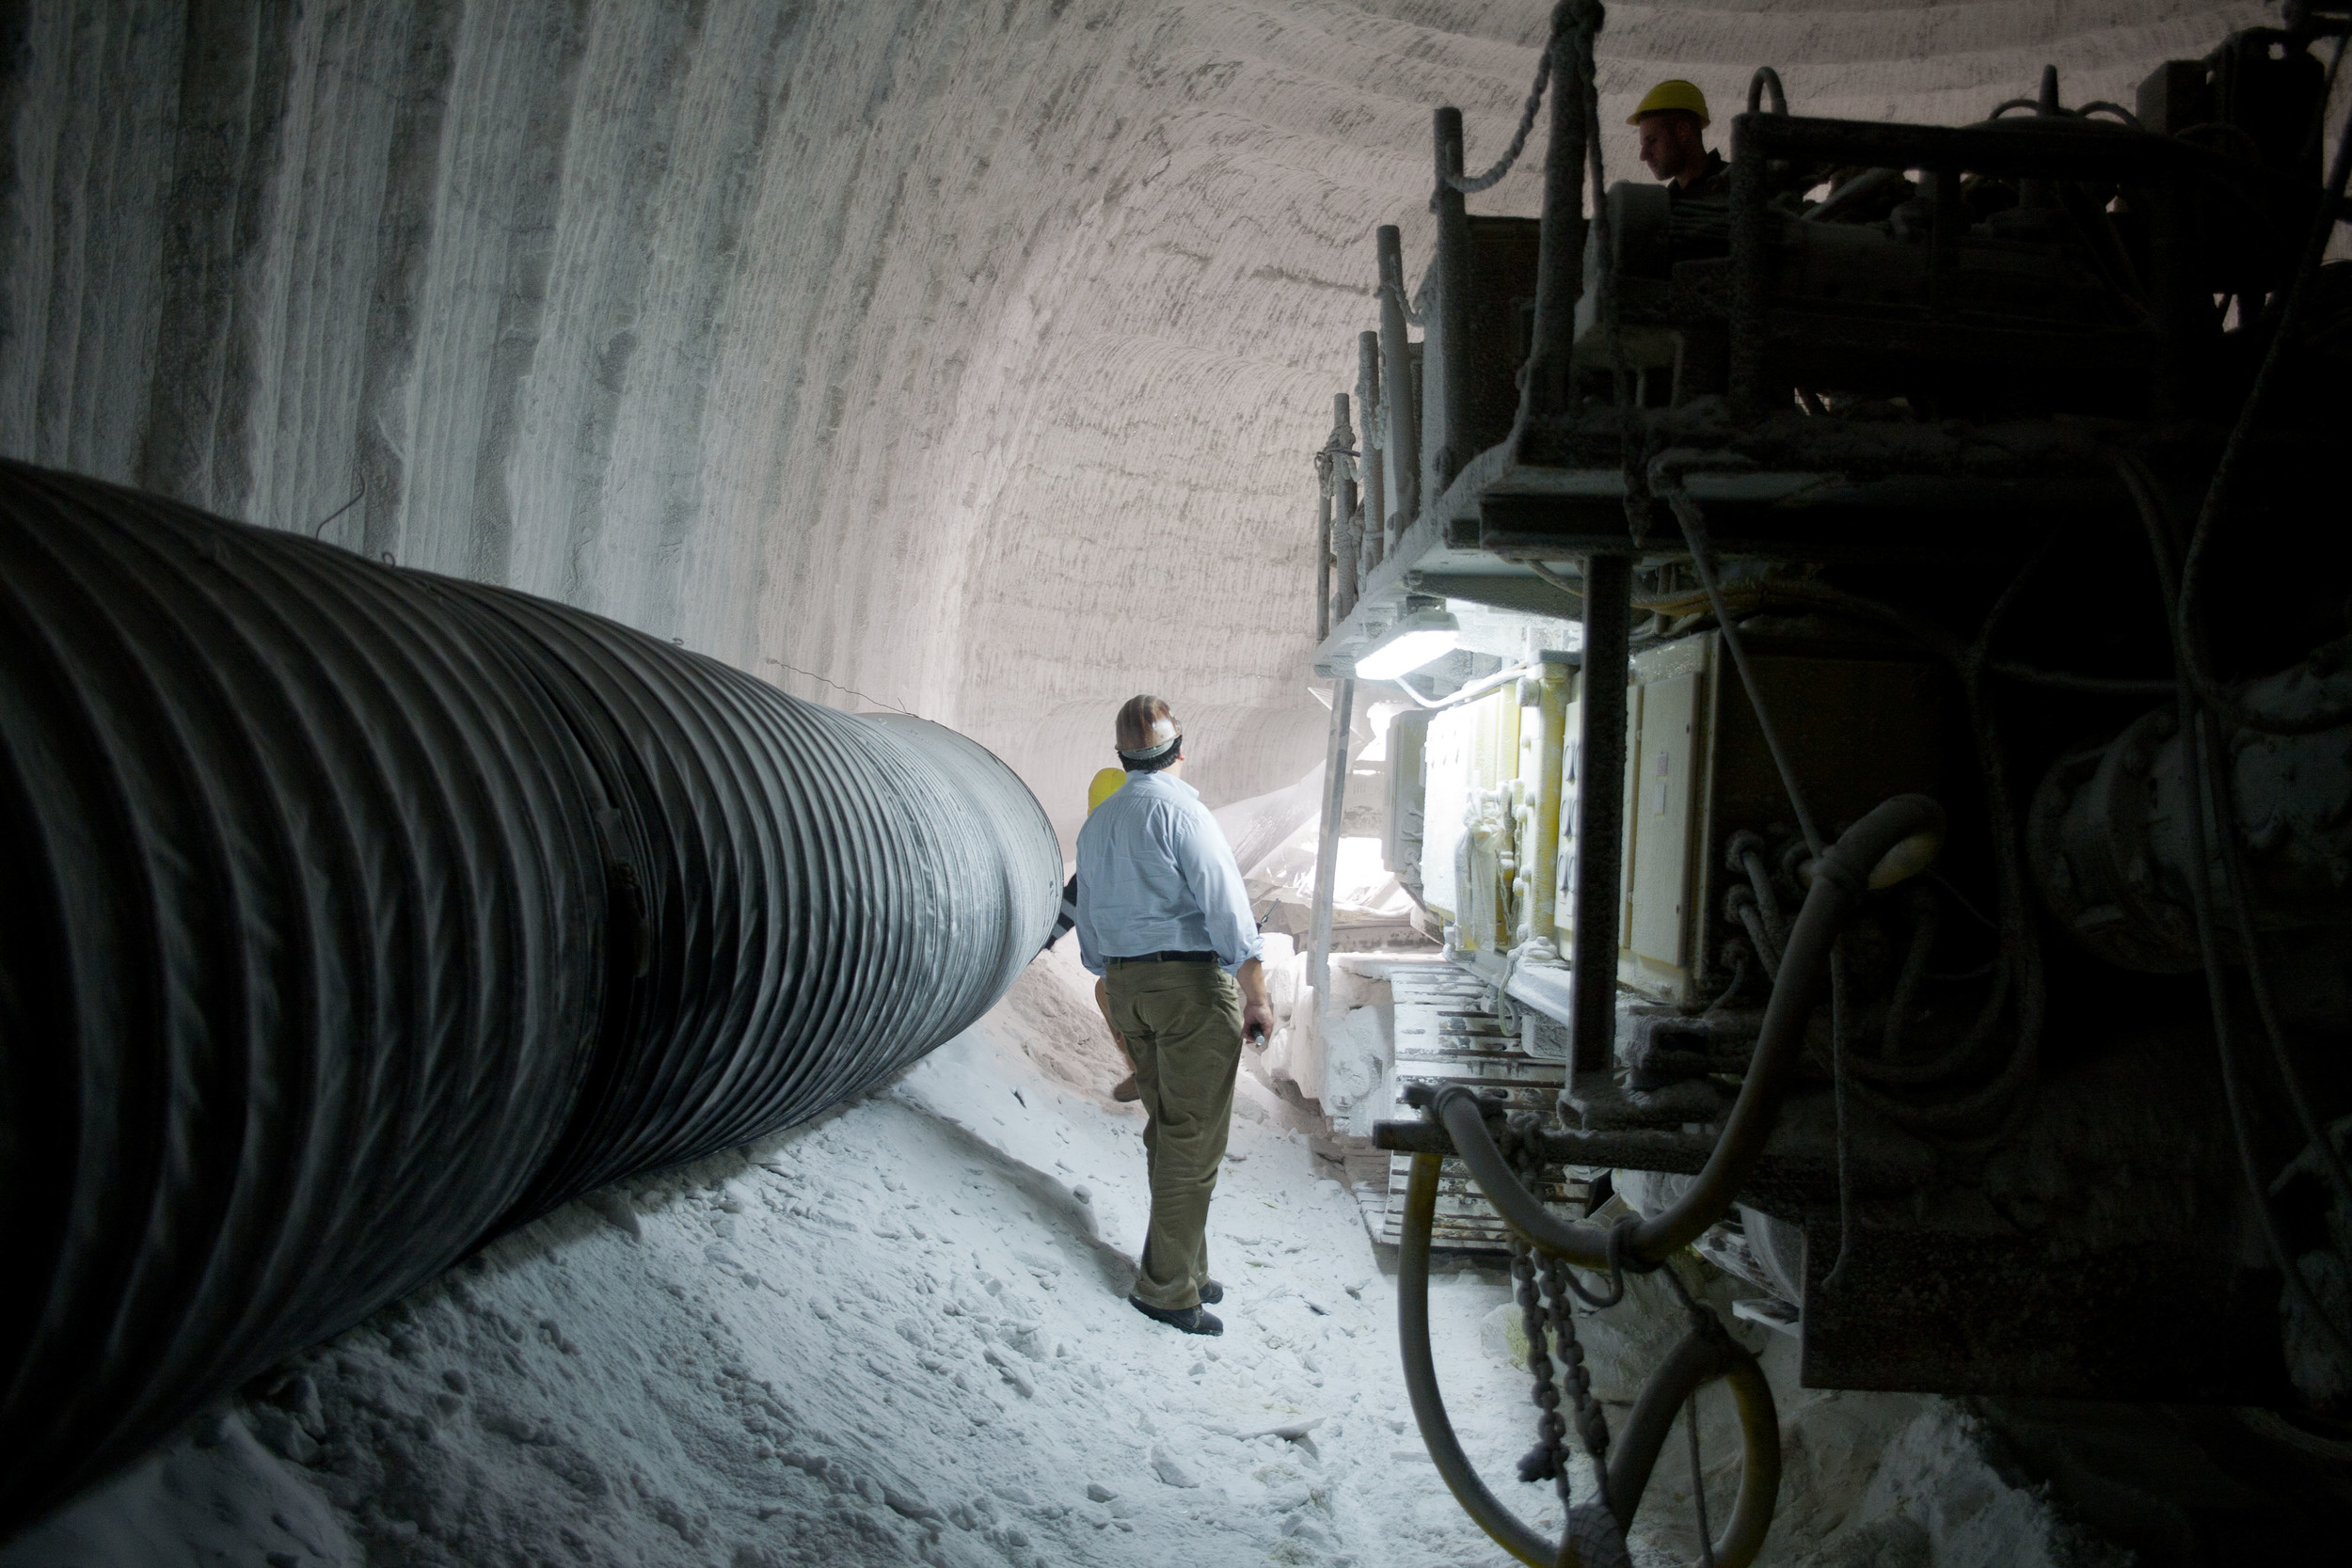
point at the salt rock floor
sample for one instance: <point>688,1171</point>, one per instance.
<point>899,1335</point>
<point>896,1336</point>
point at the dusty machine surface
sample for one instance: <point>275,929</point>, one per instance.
<point>1929,865</point>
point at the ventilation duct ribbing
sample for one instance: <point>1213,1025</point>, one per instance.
<point>358,915</point>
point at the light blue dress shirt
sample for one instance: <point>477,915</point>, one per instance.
<point>1156,876</point>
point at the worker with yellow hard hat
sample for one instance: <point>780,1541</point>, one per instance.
<point>1102,787</point>
<point>1671,119</point>
<point>1105,784</point>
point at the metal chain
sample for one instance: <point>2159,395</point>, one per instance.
<point>1548,1311</point>
<point>1592,1423</point>
<point>1548,1459</point>
<point>1591,1532</point>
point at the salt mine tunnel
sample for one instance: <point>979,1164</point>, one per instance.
<point>574,986</point>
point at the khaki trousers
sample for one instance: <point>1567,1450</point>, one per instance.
<point>1183,1023</point>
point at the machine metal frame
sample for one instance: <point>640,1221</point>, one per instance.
<point>2095,395</point>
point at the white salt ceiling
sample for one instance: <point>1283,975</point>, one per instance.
<point>964,359</point>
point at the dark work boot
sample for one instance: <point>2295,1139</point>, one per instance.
<point>1189,1319</point>
<point>1211,1292</point>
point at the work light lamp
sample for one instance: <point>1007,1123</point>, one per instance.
<point>1411,642</point>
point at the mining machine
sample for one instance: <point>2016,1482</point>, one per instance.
<point>1872,667</point>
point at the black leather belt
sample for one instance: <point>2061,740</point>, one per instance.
<point>1168,959</point>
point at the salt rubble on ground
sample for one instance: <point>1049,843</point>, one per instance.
<point>899,1335</point>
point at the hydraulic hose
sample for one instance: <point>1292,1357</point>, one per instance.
<point>1701,1356</point>
<point>1421,1377</point>
<point>1699,1359</point>
<point>357,916</point>
<point>1884,847</point>
<point>1844,872</point>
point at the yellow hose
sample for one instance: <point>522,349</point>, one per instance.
<point>1699,1359</point>
<point>1421,1377</point>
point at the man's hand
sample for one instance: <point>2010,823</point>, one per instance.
<point>1257,1013</point>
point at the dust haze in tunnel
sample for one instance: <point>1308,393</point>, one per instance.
<point>962,359</point>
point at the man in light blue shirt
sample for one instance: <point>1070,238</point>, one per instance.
<point>1163,919</point>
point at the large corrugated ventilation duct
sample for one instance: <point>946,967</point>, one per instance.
<point>355,915</point>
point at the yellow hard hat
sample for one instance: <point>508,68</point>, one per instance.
<point>1675,94</point>
<point>1105,784</point>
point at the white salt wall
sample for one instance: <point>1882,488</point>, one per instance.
<point>959,358</point>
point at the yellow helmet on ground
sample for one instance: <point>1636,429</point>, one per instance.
<point>1673,94</point>
<point>1105,784</point>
